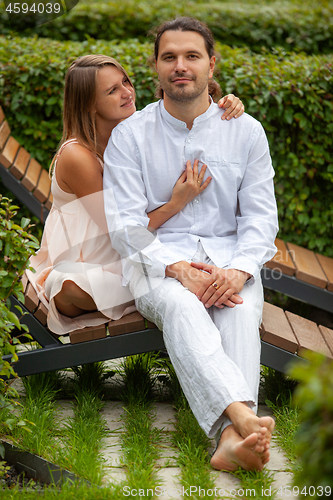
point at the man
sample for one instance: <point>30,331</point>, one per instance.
<point>199,279</point>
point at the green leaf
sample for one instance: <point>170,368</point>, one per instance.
<point>14,319</point>
<point>25,222</point>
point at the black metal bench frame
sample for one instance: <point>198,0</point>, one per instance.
<point>54,355</point>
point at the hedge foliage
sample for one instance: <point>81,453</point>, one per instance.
<point>298,26</point>
<point>314,439</point>
<point>292,95</point>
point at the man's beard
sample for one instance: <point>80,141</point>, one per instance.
<point>180,92</point>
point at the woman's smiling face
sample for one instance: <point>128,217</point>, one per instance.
<point>115,96</point>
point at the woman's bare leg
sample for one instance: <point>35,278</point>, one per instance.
<point>73,301</point>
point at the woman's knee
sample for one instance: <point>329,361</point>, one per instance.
<point>69,289</point>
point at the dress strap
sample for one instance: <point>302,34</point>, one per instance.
<point>73,141</point>
<point>70,141</point>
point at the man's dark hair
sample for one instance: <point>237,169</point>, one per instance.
<point>188,24</point>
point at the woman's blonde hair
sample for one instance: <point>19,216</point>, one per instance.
<point>79,99</point>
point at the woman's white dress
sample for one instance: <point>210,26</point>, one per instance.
<point>74,247</point>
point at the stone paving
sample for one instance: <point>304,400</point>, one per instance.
<point>168,472</point>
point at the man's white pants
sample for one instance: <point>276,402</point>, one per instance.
<point>215,352</point>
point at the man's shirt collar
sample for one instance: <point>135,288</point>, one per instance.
<point>178,123</point>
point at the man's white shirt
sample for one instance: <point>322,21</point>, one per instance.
<point>235,217</point>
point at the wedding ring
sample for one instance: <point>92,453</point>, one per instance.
<point>199,182</point>
<point>216,286</point>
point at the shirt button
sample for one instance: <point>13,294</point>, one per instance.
<point>195,226</point>
<point>188,140</point>
<point>196,200</point>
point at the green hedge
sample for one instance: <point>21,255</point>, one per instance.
<point>292,95</point>
<point>293,26</point>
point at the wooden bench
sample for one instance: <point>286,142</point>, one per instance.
<point>284,337</point>
<point>22,174</point>
<point>302,274</point>
<point>295,271</point>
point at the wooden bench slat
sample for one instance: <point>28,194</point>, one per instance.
<point>31,177</point>
<point>307,334</point>
<point>327,265</point>
<point>43,187</point>
<point>20,164</point>
<point>327,333</point>
<point>130,323</point>
<point>276,329</point>
<point>31,299</point>
<point>86,334</point>
<point>41,313</point>
<point>49,202</point>
<point>308,268</point>
<point>4,133</point>
<point>2,115</point>
<point>282,260</point>
<point>9,152</point>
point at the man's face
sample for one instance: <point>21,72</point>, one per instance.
<point>183,65</point>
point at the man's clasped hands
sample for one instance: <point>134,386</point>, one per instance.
<point>211,284</point>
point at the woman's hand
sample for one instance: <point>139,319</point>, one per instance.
<point>189,185</point>
<point>232,105</point>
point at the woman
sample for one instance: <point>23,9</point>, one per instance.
<point>78,274</point>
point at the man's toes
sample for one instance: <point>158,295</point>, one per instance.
<point>251,441</point>
<point>265,457</point>
<point>259,449</point>
<point>268,423</point>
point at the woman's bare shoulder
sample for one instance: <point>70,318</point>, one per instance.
<point>78,168</point>
<point>75,152</point>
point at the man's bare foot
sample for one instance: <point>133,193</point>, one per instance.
<point>246,422</point>
<point>233,451</point>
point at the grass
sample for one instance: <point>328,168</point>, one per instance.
<point>190,442</point>
<point>255,485</point>
<point>140,447</point>
<point>91,377</point>
<point>82,436</point>
<point>141,440</point>
<point>140,374</point>
<point>279,390</point>
<point>40,412</point>
<point>192,457</point>
<point>287,424</point>
<point>69,491</point>
<point>77,445</point>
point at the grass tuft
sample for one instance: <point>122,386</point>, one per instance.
<point>91,377</point>
<point>287,424</point>
<point>192,445</point>
<point>140,446</point>
<point>83,438</point>
<point>40,412</point>
<point>277,386</point>
<point>256,485</point>
<point>139,374</point>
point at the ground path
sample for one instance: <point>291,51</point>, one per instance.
<point>168,471</point>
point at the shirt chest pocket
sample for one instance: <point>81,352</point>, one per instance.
<point>221,162</point>
<point>227,172</point>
